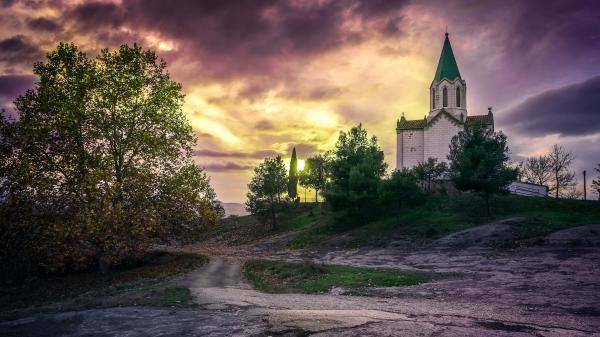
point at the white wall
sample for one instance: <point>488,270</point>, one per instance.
<point>412,147</point>
<point>438,136</point>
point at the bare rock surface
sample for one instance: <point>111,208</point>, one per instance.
<point>550,289</point>
<point>135,322</point>
<point>495,234</point>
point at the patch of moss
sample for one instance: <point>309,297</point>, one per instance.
<point>308,277</point>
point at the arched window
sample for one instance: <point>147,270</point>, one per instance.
<point>445,97</point>
<point>458,97</point>
<point>432,99</point>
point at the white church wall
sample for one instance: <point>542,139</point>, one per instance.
<point>399,148</point>
<point>438,136</point>
<point>413,147</point>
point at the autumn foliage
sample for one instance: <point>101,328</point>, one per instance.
<point>97,166</point>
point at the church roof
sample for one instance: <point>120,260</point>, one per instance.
<point>484,119</point>
<point>416,124</point>
<point>404,124</point>
<point>447,67</point>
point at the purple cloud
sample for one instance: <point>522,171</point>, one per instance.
<point>222,154</point>
<point>226,167</point>
<point>572,110</point>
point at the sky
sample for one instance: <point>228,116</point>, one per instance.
<point>264,76</point>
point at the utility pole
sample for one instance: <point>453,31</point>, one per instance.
<point>584,187</point>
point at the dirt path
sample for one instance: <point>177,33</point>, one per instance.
<point>443,308</point>
<point>548,290</point>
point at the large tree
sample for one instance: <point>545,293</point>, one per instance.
<point>560,165</point>
<point>92,158</point>
<point>430,170</point>
<point>316,173</point>
<point>479,161</point>
<point>356,169</point>
<point>266,188</point>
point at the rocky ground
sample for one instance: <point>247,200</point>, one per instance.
<point>549,288</point>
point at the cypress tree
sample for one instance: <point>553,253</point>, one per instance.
<point>293,176</point>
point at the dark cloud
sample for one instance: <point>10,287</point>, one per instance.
<point>264,125</point>
<point>392,26</point>
<point>226,167</point>
<point>43,24</point>
<point>570,110</point>
<point>17,50</point>
<point>369,8</point>
<point>12,86</point>
<point>231,38</point>
<point>302,150</point>
<point>222,154</point>
<point>97,16</point>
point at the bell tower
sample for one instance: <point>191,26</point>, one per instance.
<point>448,91</point>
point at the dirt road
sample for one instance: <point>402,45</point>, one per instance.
<point>552,289</point>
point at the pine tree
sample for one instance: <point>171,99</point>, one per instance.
<point>293,176</point>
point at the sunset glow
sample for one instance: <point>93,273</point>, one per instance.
<point>261,78</point>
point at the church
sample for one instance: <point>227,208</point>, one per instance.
<point>419,139</point>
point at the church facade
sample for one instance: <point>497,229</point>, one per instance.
<point>417,140</point>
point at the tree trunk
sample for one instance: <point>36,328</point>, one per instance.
<point>273,217</point>
<point>556,179</point>
<point>487,204</point>
<point>317,196</point>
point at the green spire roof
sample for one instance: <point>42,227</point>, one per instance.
<point>447,67</point>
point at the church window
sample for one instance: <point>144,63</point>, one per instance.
<point>458,97</point>
<point>432,99</point>
<point>445,97</point>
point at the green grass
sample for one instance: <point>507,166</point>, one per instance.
<point>244,229</point>
<point>286,277</point>
<point>442,215</point>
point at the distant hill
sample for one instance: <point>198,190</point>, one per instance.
<point>233,208</point>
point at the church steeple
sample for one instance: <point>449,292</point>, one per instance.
<point>447,67</point>
<point>448,90</point>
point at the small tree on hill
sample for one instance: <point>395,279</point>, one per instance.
<point>400,190</point>
<point>356,168</point>
<point>293,176</point>
<point>560,165</point>
<point>479,161</point>
<point>596,182</point>
<point>315,173</point>
<point>430,170</point>
<point>537,170</point>
<point>267,186</point>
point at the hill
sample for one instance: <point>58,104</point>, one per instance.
<point>309,225</point>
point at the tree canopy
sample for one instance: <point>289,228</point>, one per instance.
<point>430,170</point>
<point>98,165</point>
<point>356,168</point>
<point>266,188</point>
<point>479,161</point>
<point>316,173</point>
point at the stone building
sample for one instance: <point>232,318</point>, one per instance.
<point>420,139</point>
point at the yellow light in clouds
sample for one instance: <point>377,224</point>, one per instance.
<point>214,128</point>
